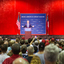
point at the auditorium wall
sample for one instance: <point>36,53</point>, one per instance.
<point>9,12</point>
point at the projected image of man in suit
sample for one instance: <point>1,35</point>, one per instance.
<point>28,25</point>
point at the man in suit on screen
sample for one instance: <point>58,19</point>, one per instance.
<point>28,25</point>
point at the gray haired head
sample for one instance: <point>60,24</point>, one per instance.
<point>51,52</point>
<point>30,49</point>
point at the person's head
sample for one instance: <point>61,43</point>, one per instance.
<point>35,49</point>
<point>51,53</point>
<point>61,57</point>
<point>5,39</point>
<point>0,37</point>
<point>36,43</point>
<point>60,43</point>
<point>52,39</point>
<point>27,21</point>
<point>47,43</point>
<point>22,42</point>
<point>43,41</point>
<point>17,40</point>
<point>5,42</point>
<point>23,38</point>
<point>0,49</point>
<point>1,42</point>
<point>30,50</point>
<point>63,47</point>
<point>11,42</point>
<point>29,40</point>
<point>41,46</point>
<point>24,48</point>
<point>57,44</point>
<point>26,42</point>
<point>4,48</point>
<point>20,61</point>
<point>15,48</point>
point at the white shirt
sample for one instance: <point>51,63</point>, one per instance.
<point>41,56</point>
<point>27,24</point>
<point>3,57</point>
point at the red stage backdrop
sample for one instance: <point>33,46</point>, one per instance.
<point>9,13</point>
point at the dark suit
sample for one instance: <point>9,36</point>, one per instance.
<point>28,27</point>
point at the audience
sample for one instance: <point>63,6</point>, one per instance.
<point>0,49</point>
<point>51,54</point>
<point>1,42</point>
<point>10,44</point>
<point>20,61</point>
<point>32,58</point>
<point>22,42</point>
<point>29,40</point>
<point>27,43</point>
<point>23,38</point>
<point>63,47</point>
<point>17,40</point>
<point>36,44</point>
<point>31,51</point>
<point>24,50</point>
<point>43,41</point>
<point>58,47</point>
<point>5,39</point>
<point>6,42</point>
<point>0,38</point>
<point>61,58</point>
<point>35,49</point>
<point>40,54</point>
<point>3,55</point>
<point>60,44</point>
<point>15,50</point>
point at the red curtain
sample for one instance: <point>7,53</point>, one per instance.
<point>9,12</point>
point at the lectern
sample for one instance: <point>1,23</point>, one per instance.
<point>27,33</point>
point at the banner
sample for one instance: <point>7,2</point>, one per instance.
<point>36,20</point>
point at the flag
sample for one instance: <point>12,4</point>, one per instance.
<point>47,25</point>
<point>18,23</point>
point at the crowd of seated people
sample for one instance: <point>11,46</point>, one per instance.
<point>31,51</point>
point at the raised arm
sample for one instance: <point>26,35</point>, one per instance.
<point>37,39</point>
<point>32,41</point>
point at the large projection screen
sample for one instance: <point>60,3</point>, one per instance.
<point>36,20</point>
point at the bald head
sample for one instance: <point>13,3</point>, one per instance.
<point>20,61</point>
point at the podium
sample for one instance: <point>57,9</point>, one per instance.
<point>27,33</point>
